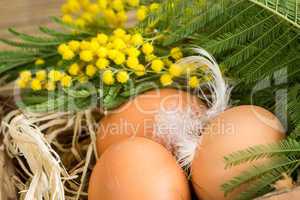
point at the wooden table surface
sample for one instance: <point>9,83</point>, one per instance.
<point>26,15</point>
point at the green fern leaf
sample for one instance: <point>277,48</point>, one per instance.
<point>11,65</point>
<point>35,39</point>
<point>294,104</point>
<point>25,45</point>
<point>154,17</point>
<point>271,33</point>
<point>284,65</point>
<point>263,184</point>
<point>286,147</point>
<point>279,164</point>
<point>49,105</point>
<point>195,24</point>
<point>216,14</point>
<point>293,110</point>
<point>65,35</point>
<point>248,31</point>
<point>58,104</point>
<point>73,27</point>
<point>7,56</point>
<point>15,62</point>
<point>253,67</point>
<point>285,9</point>
<point>235,20</point>
<point>78,93</point>
<point>55,33</point>
<point>260,186</point>
<point>296,132</point>
<point>140,88</point>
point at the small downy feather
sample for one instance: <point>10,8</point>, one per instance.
<point>179,131</point>
<point>187,137</point>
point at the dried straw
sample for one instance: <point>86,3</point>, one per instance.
<point>53,152</point>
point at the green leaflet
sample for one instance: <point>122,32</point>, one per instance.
<point>140,88</point>
<point>37,40</point>
<point>16,54</point>
<point>256,171</point>
<point>27,45</point>
<point>285,9</point>
<point>81,93</point>
<point>260,186</point>
<point>9,66</point>
<point>287,147</point>
<point>30,47</point>
<point>73,27</point>
<point>293,110</point>
<point>253,67</point>
<point>48,105</point>
<point>252,48</point>
<point>214,14</point>
<point>246,32</point>
<point>58,104</point>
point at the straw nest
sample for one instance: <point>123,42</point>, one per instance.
<point>46,150</point>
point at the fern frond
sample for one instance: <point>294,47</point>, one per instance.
<point>49,105</point>
<point>294,104</point>
<point>287,10</point>
<point>271,33</point>
<point>195,24</point>
<point>279,164</point>
<point>10,55</point>
<point>284,65</point>
<point>23,45</point>
<point>247,31</point>
<point>30,47</point>
<point>35,39</point>
<point>263,184</point>
<point>73,27</point>
<point>235,20</point>
<point>164,11</point>
<point>4,67</point>
<point>65,35</point>
<point>286,147</point>
<point>214,16</point>
<point>57,104</point>
<point>253,68</point>
<point>78,93</point>
<point>140,88</point>
<point>260,186</point>
<point>296,132</point>
<point>293,110</point>
<point>15,62</point>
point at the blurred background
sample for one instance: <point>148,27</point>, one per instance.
<point>26,15</point>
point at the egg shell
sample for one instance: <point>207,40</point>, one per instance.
<point>235,129</point>
<point>137,117</point>
<point>138,169</point>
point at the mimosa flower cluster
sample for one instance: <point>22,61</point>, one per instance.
<point>43,79</point>
<point>112,59</point>
<point>85,12</point>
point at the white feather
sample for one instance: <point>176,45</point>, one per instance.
<point>185,141</point>
<point>219,90</point>
<point>178,130</point>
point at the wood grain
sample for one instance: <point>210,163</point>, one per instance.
<point>26,15</point>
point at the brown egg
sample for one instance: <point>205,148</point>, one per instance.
<point>137,117</point>
<point>233,130</point>
<point>138,169</point>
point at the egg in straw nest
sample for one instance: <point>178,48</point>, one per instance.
<point>105,110</point>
